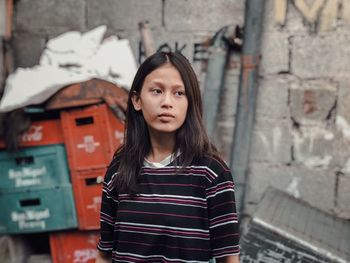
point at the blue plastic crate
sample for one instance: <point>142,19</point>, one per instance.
<point>34,168</point>
<point>37,211</point>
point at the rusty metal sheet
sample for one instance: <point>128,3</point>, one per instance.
<point>90,92</point>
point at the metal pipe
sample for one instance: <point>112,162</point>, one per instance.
<point>246,104</point>
<point>214,79</point>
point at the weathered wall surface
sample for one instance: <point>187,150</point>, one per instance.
<point>301,139</point>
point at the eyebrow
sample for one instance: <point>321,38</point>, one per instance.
<point>173,86</point>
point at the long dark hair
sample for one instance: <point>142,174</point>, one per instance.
<point>191,139</point>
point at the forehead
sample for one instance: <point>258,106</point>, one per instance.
<point>166,73</point>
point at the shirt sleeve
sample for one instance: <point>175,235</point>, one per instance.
<point>223,221</point>
<point>109,205</point>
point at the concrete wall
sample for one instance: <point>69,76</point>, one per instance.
<point>301,140</point>
<point>302,132</point>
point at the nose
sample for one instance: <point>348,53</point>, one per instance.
<point>167,100</point>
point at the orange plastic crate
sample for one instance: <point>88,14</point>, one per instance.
<point>41,133</point>
<point>92,135</point>
<point>73,247</point>
<point>87,189</point>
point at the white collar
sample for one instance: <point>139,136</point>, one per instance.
<point>163,162</point>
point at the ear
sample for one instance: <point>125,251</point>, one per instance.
<point>136,102</point>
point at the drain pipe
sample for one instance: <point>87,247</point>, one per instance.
<point>246,104</point>
<point>214,79</point>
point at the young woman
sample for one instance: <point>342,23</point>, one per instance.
<point>167,196</point>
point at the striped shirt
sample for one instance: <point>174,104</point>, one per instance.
<point>176,217</point>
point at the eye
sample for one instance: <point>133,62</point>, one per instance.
<point>179,93</point>
<point>156,91</point>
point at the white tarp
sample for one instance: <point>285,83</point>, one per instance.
<point>70,58</point>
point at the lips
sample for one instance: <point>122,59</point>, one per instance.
<point>167,115</point>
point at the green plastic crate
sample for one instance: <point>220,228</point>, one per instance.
<point>37,211</point>
<point>34,168</point>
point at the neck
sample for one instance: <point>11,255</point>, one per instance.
<point>162,145</point>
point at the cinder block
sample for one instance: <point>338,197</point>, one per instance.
<point>343,198</point>
<point>314,186</point>
<point>124,14</point>
<point>272,98</point>
<point>184,15</point>
<point>271,141</point>
<point>262,175</point>
<point>34,15</point>
<point>27,49</point>
<point>321,56</point>
<point>315,146</point>
<point>312,102</point>
<point>275,53</point>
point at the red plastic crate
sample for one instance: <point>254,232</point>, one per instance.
<point>74,247</point>
<point>92,135</point>
<point>41,133</point>
<point>87,189</point>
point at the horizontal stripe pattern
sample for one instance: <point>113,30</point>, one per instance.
<point>189,216</point>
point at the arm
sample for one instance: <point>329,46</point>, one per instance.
<point>103,257</point>
<point>229,259</point>
<point>107,218</point>
<point>223,221</point>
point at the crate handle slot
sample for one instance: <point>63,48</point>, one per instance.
<point>84,121</point>
<point>24,160</point>
<point>94,181</point>
<point>30,202</point>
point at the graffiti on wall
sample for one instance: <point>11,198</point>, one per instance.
<point>321,14</point>
<point>200,50</point>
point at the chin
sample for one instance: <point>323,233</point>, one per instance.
<point>165,129</point>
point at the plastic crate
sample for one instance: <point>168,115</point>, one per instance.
<point>41,133</point>
<point>87,188</point>
<point>92,135</point>
<point>74,247</point>
<point>37,211</point>
<point>34,168</point>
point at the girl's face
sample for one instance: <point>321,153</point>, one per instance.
<point>163,100</point>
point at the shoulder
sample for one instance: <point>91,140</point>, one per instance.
<point>112,169</point>
<point>213,162</point>
<point>215,166</point>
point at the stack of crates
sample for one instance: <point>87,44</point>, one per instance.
<point>36,191</point>
<point>91,135</point>
<point>74,246</point>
